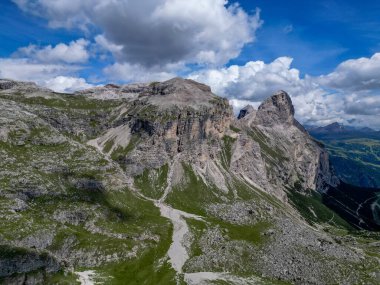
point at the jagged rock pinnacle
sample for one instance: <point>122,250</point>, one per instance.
<point>277,109</point>
<point>245,111</point>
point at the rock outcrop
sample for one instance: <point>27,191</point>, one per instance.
<point>169,118</point>
<point>281,150</point>
<point>245,111</point>
<point>21,261</point>
<point>114,92</point>
<point>21,86</point>
<point>277,109</point>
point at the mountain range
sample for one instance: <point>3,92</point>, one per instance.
<point>159,183</point>
<point>354,152</point>
<point>341,130</point>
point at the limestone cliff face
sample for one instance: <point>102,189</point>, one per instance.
<point>174,117</point>
<point>185,132</point>
<point>289,156</point>
<point>277,109</point>
<point>246,111</point>
<point>183,118</point>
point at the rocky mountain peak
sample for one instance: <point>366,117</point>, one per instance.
<point>171,94</point>
<point>245,111</point>
<point>14,87</point>
<point>10,84</point>
<point>114,91</point>
<point>180,85</point>
<point>277,109</point>
<point>334,127</point>
<point>111,85</point>
<point>180,92</point>
<point>6,84</point>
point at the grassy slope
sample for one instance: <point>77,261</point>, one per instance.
<point>354,204</point>
<point>311,207</point>
<point>112,211</point>
<point>152,183</point>
<point>194,196</point>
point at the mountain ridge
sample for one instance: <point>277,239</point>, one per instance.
<point>339,128</point>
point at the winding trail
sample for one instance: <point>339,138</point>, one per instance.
<point>361,205</point>
<point>202,277</point>
<point>177,252</point>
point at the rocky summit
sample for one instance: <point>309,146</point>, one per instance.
<point>159,183</point>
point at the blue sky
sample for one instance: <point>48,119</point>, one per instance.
<point>317,34</point>
<point>324,53</point>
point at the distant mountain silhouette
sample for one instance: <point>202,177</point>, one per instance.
<point>340,131</point>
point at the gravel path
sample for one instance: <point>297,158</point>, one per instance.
<point>177,252</point>
<point>85,277</point>
<point>202,278</point>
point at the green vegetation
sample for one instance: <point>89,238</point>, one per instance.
<point>66,101</point>
<point>154,83</point>
<point>145,269</point>
<point>235,129</point>
<point>248,192</point>
<point>311,207</point>
<point>227,151</point>
<point>193,195</point>
<point>239,261</point>
<point>62,278</point>
<point>152,183</point>
<point>197,229</point>
<point>65,194</point>
<point>108,145</point>
<point>272,152</point>
<point>120,153</point>
<point>250,233</point>
<point>112,213</point>
<point>80,193</point>
<point>9,252</point>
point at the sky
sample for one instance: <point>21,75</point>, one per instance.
<point>325,54</point>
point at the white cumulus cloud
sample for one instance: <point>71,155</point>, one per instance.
<point>157,32</point>
<point>49,66</point>
<point>53,76</point>
<point>67,84</point>
<point>136,73</point>
<point>24,69</point>
<point>355,74</point>
<point>317,101</point>
<point>254,80</point>
<point>154,40</point>
<point>74,52</point>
